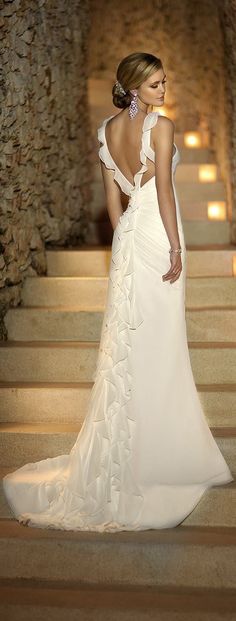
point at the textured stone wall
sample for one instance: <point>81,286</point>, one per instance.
<point>227,11</point>
<point>196,42</point>
<point>45,135</point>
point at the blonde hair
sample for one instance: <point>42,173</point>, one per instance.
<point>132,71</point>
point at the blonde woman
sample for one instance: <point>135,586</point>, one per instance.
<point>145,454</point>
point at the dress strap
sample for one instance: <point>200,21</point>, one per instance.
<point>149,122</point>
<point>146,151</point>
<point>103,151</point>
<point>106,158</point>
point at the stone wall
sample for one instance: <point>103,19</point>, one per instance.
<point>45,136</point>
<point>196,41</point>
<point>227,12</point>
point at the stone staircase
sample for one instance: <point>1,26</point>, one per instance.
<point>46,367</point>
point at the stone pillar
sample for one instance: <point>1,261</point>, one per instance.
<point>45,136</point>
<point>227,13</point>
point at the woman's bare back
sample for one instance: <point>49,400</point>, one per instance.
<point>123,138</point>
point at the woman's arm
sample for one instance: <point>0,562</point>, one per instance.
<point>163,138</point>
<point>113,195</point>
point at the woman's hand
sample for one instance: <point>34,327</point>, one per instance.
<point>175,269</point>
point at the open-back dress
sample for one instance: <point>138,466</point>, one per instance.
<point>145,454</point>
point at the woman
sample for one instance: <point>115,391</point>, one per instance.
<point>145,454</point>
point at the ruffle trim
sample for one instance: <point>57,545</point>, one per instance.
<point>102,494</point>
<point>104,154</point>
<point>114,363</point>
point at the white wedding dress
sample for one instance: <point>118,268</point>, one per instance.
<point>145,454</point>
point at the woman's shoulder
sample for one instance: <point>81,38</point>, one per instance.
<point>165,127</point>
<point>165,122</point>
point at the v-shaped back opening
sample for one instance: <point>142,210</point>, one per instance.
<point>132,184</point>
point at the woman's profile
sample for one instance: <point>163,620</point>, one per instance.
<point>145,454</point>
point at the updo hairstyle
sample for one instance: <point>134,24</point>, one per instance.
<point>132,71</point>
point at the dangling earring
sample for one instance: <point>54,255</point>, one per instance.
<point>133,107</point>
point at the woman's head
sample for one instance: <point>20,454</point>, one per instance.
<point>141,73</point>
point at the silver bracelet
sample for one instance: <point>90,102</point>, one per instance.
<point>178,250</point>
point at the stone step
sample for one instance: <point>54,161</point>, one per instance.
<point>211,325</point>
<point>211,263</point>
<point>56,324</point>
<point>75,361</point>
<point>190,172</point>
<point>214,261</point>
<point>195,156</point>
<point>24,443</point>
<point>67,403</point>
<point>210,191</point>
<point>197,211</point>
<point>176,557</point>
<point>83,293</point>
<point>208,232</point>
<point>24,600</point>
<point>89,263</point>
<point>79,292</point>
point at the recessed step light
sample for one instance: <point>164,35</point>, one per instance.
<point>216,210</point>
<point>192,140</point>
<point>207,173</point>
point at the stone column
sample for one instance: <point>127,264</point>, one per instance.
<point>45,136</point>
<point>227,13</point>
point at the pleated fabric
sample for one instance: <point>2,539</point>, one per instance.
<point>145,454</point>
